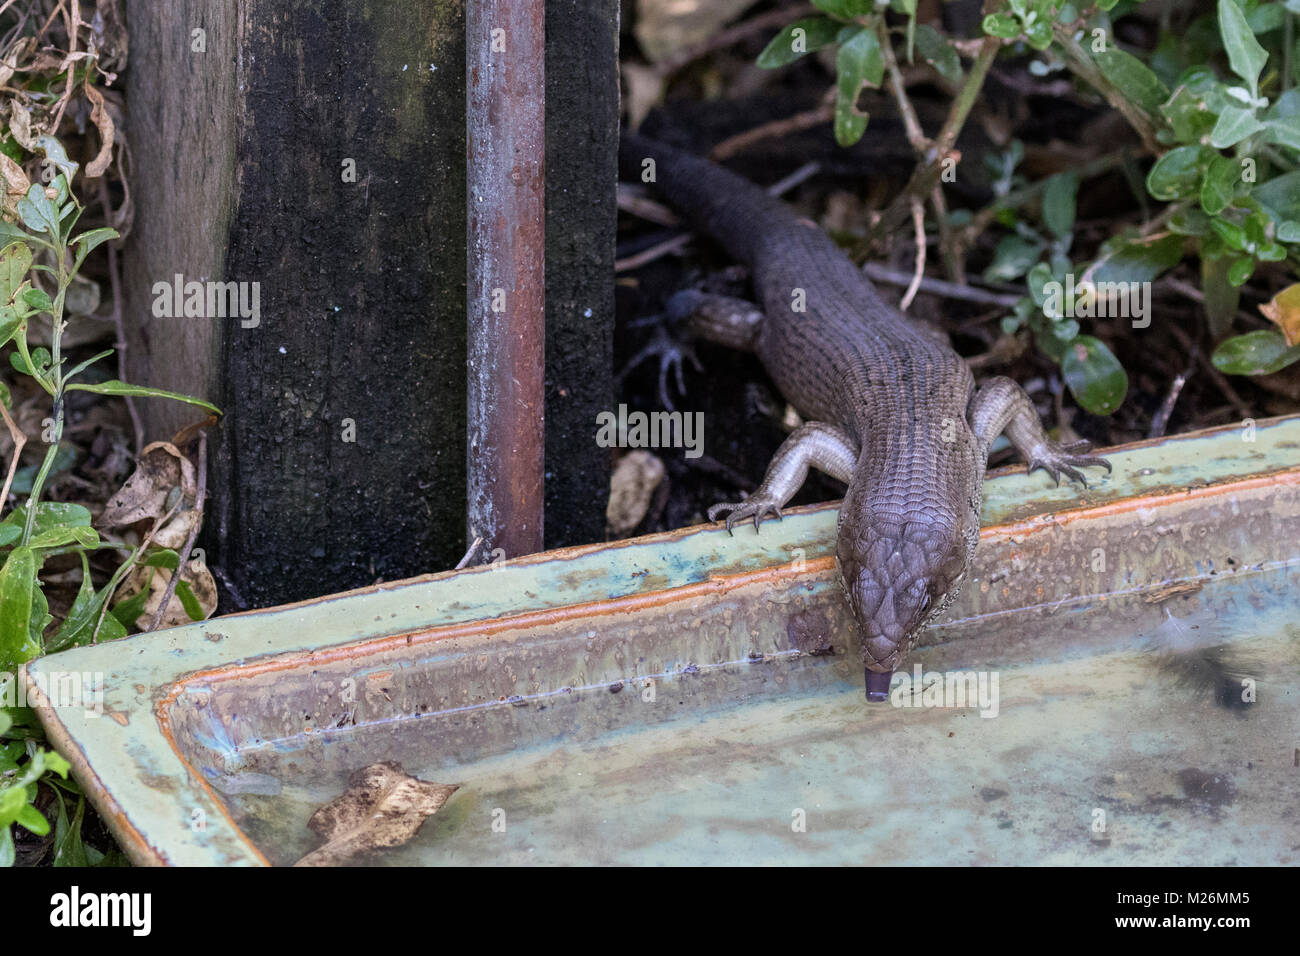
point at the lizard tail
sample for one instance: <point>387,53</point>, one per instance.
<point>741,216</point>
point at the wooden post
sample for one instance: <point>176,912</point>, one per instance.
<point>317,150</point>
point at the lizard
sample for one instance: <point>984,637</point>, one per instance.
<point>889,408</point>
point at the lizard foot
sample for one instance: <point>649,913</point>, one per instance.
<point>1058,459</point>
<point>671,354</point>
<point>756,506</point>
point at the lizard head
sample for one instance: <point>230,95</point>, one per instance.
<point>900,571</point>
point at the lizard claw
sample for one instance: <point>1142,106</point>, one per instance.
<point>671,354</point>
<point>1058,459</point>
<point>757,506</point>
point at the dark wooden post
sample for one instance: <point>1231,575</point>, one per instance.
<point>317,149</point>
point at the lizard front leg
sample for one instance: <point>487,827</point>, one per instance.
<point>1000,405</point>
<point>828,449</point>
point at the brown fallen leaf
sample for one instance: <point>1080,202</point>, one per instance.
<point>632,485</point>
<point>194,573</point>
<point>1284,312</point>
<point>384,806</point>
<point>160,469</point>
<point>104,123</point>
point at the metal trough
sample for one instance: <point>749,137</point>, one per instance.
<point>693,697</point>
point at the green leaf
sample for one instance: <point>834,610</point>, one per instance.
<point>115,387</point>
<point>189,601</point>
<point>1059,198</point>
<point>848,9</point>
<point>1013,257</point>
<point>1132,78</point>
<point>1189,221</point>
<point>1280,196</point>
<point>15,263</point>
<point>1285,130</point>
<point>17,582</point>
<point>1187,116</point>
<point>49,514</point>
<point>1220,184</point>
<point>162,558</point>
<point>1135,260</point>
<point>1245,55</point>
<point>37,212</point>
<point>1096,379</point>
<point>82,366</point>
<point>59,537</point>
<point>1240,271</point>
<point>10,322</point>
<point>87,241</point>
<point>30,818</point>
<point>1177,174</point>
<point>1255,353</point>
<point>54,152</point>
<point>81,616</point>
<point>68,847</point>
<point>803,36</point>
<point>938,52</point>
<point>858,62</point>
<point>36,300</point>
<point>1001,25</point>
<point>1233,126</point>
<point>128,612</point>
<point>64,459</point>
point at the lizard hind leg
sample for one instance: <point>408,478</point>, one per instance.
<point>816,444</point>
<point>1001,405</point>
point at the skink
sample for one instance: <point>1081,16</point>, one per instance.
<point>890,409</point>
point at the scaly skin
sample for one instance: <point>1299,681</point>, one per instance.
<point>893,410</point>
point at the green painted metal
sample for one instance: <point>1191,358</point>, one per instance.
<point>694,696</point>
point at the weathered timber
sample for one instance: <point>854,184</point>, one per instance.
<point>241,157</point>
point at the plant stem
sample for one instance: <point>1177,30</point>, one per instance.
<point>56,343</point>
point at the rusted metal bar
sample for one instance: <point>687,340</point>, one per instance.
<point>505,125</point>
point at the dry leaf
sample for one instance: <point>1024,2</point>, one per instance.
<point>160,468</point>
<point>631,488</point>
<point>104,123</point>
<point>1284,312</point>
<point>20,125</point>
<point>384,806</point>
<point>195,573</point>
<point>16,184</point>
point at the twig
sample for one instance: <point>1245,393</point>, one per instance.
<point>1082,66</point>
<point>782,127</point>
<point>915,134</point>
<point>918,224</point>
<point>189,538</point>
<point>1161,420</point>
<point>728,37</point>
<point>926,176</point>
<point>473,550</point>
<point>115,283</point>
<point>1218,378</point>
<point>948,290</point>
<point>20,439</point>
<point>654,252</point>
